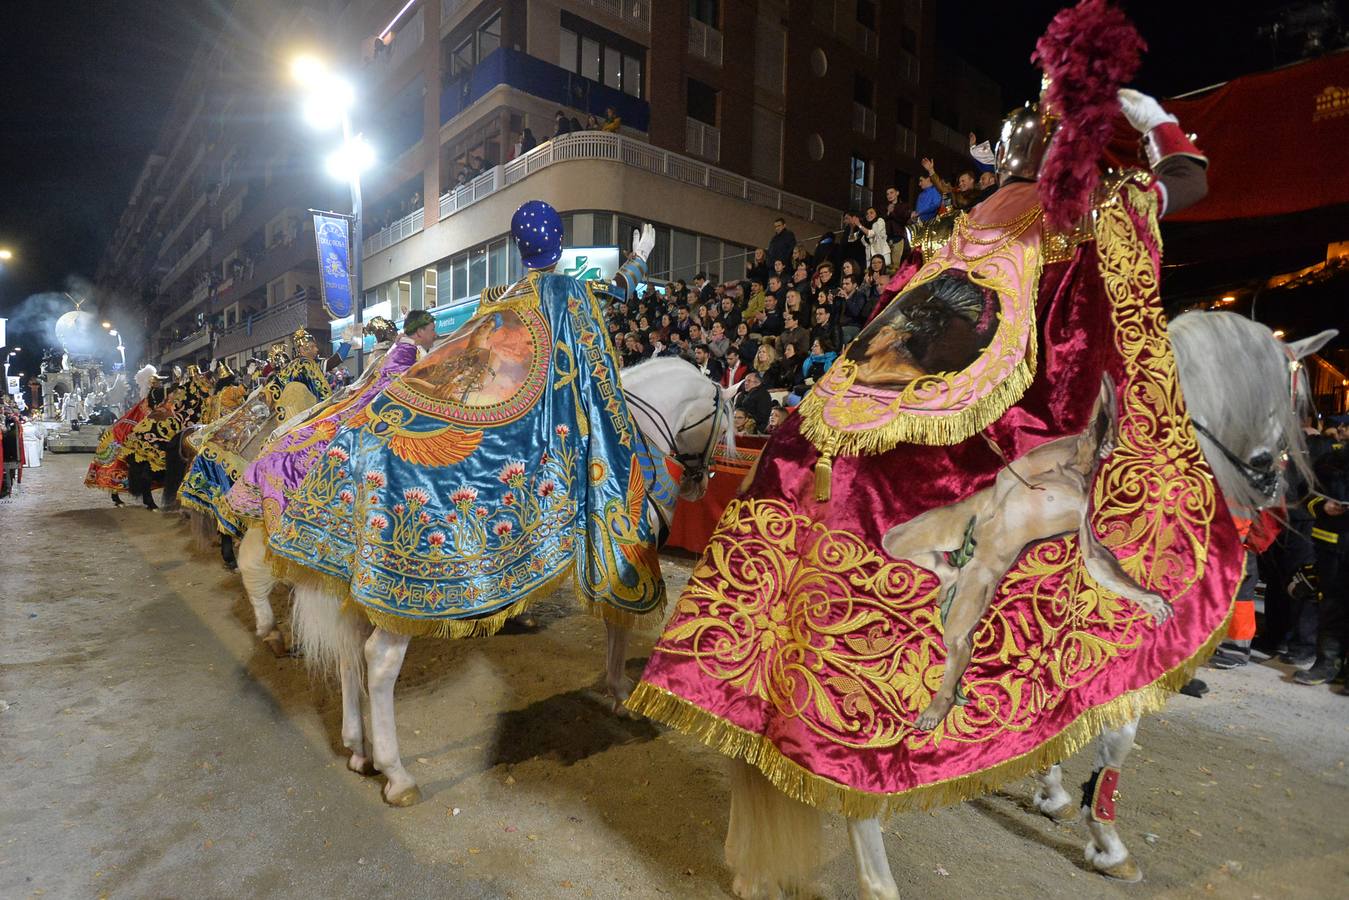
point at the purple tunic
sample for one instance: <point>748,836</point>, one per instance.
<point>261,494</point>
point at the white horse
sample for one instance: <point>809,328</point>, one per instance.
<point>1246,417</point>
<point>678,412</point>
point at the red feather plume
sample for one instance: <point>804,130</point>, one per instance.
<point>1088,52</point>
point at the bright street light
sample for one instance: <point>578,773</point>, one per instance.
<point>107,324</point>
<point>6,255</point>
<point>1278,333</point>
<point>306,69</point>
<point>329,99</point>
<point>351,159</point>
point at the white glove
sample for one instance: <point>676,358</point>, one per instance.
<point>643,241</point>
<point>983,153</point>
<point>1143,112</point>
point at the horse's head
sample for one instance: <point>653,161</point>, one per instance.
<point>1246,392</point>
<point>683,414</point>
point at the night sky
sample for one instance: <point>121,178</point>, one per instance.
<point>86,82</point>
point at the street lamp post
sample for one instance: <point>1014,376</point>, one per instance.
<point>328,102</point>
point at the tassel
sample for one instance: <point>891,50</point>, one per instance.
<point>824,477</point>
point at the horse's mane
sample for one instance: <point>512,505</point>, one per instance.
<point>1235,377</point>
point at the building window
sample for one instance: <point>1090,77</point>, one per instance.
<point>904,112</point>
<point>706,11</point>
<point>863,91</point>
<point>861,171</point>
<point>430,288</point>
<point>908,39</point>
<point>591,52</point>
<point>476,47</point>
<point>702,102</point>
<point>866,13</point>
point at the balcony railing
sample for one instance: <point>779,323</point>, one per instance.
<point>626,151</point>
<point>948,136</point>
<point>702,139</point>
<point>401,230</point>
<point>632,12</point>
<point>906,64</point>
<point>906,140</point>
<point>705,41</point>
<point>273,324</point>
<point>185,262</point>
<point>195,341</point>
<point>866,40</point>
<point>863,120</point>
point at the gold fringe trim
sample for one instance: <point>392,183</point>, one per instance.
<point>805,786</point>
<point>907,428</point>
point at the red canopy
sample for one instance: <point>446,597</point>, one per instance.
<point>1276,141</point>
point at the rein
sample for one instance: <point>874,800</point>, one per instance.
<point>1266,481</point>
<point>693,464</point>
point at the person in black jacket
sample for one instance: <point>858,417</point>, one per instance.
<point>755,401</point>
<point>782,244</point>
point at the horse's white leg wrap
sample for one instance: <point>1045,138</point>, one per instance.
<point>258,581</point>
<point>874,880</point>
<point>1050,797</point>
<point>353,727</point>
<point>1106,851</point>
<point>384,653</point>
<point>615,659</point>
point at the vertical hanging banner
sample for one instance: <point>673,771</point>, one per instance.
<point>330,233</point>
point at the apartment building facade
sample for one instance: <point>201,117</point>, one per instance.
<point>733,113</point>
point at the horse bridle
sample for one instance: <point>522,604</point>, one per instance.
<point>1266,481</point>
<point>693,465</point>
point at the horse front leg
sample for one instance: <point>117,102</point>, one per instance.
<point>258,583</point>
<point>615,663</point>
<point>1106,851</point>
<point>1051,799</point>
<point>384,652</point>
<point>874,879</point>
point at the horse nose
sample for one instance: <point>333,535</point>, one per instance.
<point>1262,459</point>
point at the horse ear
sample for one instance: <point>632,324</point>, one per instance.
<point>1307,346</point>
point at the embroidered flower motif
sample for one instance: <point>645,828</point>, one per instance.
<point>512,473</point>
<point>508,499</point>
<point>562,431</point>
<point>338,453</point>
<point>502,529</point>
<point>424,517</point>
<point>547,487</point>
<point>347,497</point>
<point>379,523</point>
<point>415,496</point>
<point>375,479</point>
<point>452,518</point>
<point>464,497</point>
<point>481,512</point>
<point>436,539</point>
<point>399,508</point>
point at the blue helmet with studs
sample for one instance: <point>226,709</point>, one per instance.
<point>537,229</point>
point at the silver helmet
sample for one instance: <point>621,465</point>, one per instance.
<point>1022,142</point>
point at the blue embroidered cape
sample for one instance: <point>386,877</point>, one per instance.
<point>499,464</point>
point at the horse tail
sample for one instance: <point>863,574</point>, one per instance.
<point>328,632</point>
<point>773,842</point>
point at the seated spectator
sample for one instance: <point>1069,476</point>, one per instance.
<point>988,185</point>
<point>612,122</point>
<point>754,400</point>
<point>769,323</point>
<point>777,288</point>
<point>679,346</point>
<point>821,357</point>
<point>656,345</point>
<point>718,343</point>
<point>852,306</point>
<point>824,327</point>
<point>792,334</point>
<point>929,199</point>
<point>735,369</point>
<point>703,288</point>
<point>696,335</point>
<point>592,123</point>
<point>765,357</point>
<point>786,371</point>
<point>800,256</point>
<point>776,417</point>
<point>682,322</point>
<point>783,242</point>
<point>730,316</point>
<point>746,345</point>
<point>706,363</point>
<point>853,244</point>
<point>874,235</point>
<point>742,423</point>
<point>757,268</point>
<point>795,305</point>
<point>527,141</point>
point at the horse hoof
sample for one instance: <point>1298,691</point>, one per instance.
<point>1067,814</point>
<point>1127,871</point>
<point>409,797</point>
<point>362,765</point>
<point>276,643</point>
